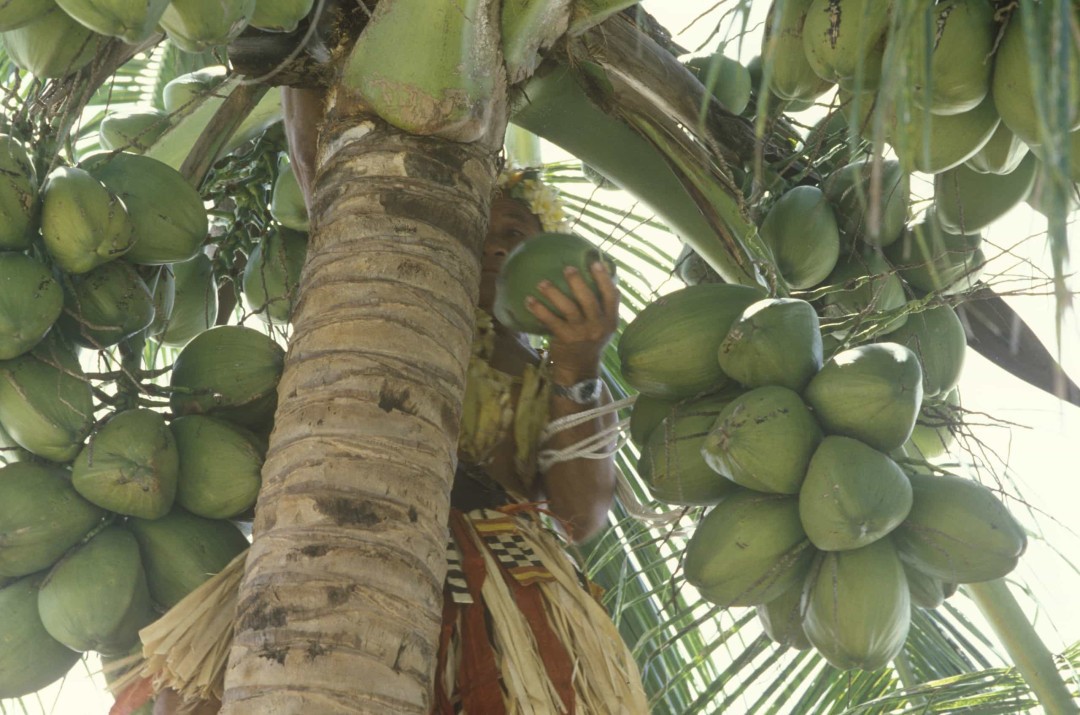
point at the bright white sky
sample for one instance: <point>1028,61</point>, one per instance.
<point>1042,453</point>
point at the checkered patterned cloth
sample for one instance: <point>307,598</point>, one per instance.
<point>455,575</point>
<point>499,533</point>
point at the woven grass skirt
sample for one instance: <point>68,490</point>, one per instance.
<point>522,630</point>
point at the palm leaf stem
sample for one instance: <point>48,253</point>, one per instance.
<point>1031,656</point>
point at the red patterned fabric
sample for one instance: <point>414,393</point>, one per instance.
<point>478,680</point>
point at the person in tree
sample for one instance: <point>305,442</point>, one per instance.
<point>582,661</point>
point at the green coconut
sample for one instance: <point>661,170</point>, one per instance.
<point>83,224</point>
<point>41,517</point>
<point>10,451</point>
<point>96,597</point>
<point>180,551</point>
<point>936,427</point>
<point>195,301</point>
<point>271,282</point>
<point>30,658</point>
<point>130,465</point>
<point>18,194</point>
<point>749,549</point>
<point>926,591</point>
<point>967,201</point>
<point>932,259</point>
<point>937,336</point>
<point>671,464</point>
<point>646,414</point>
<point>167,212</point>
<point>864,289</point>
<point>16,13</point>
<point>1044,192</point>
<point>134,131</point>
<point>846,47</point>
<point>949,46</point>
<point>287,200</point>
<point>220,466</point>
<point>791,77</point>
<point>106,305</point>
<point>542,257</point>
<point>852,496</point>
<point>782,617</point>
<point>1014,88</point>
<point>53,45</point>
<point>801,231</point>
<point>932,143</point>
<point>763,440</point>
<point>229,371</point>
<point>727,79</point>
<point>858,607</point>
<point>871,393</point>
<point>182,91</point>
<point>669,350</point>
<point>853,189</point>
<point>46,404</point>
<point>1001,155</point>
<point>776,341</point>
<point>958,531</point>
<point>201,25</point>
<point>30,302</point>
<point>131,20</point>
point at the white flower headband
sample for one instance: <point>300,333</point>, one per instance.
<point>543,200</point>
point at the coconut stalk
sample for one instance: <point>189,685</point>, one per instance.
<point>218,132</point>
<point>213,125</point>
<point>1030,655</point>
<point>624,105</point>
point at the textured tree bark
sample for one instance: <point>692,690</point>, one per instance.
<point>340,605</point>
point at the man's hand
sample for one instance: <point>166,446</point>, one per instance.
<point>578,338</point>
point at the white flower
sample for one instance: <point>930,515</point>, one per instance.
<point>543,200</point>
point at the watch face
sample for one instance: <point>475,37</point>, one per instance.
<point>589,391</point>
<point>583,393</point>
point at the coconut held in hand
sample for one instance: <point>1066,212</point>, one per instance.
<point>542,257</point>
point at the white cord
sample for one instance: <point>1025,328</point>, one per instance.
<point>635,508</point>
<point>598,445</point>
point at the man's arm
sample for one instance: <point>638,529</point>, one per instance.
<point>579,491</point>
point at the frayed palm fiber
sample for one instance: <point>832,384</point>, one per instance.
<point>188,647</point>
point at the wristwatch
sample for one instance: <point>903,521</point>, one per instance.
<point>586,392</point>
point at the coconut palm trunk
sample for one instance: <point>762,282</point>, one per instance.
<point>340,605</point>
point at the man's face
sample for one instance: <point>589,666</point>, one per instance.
<point>511,224</point>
